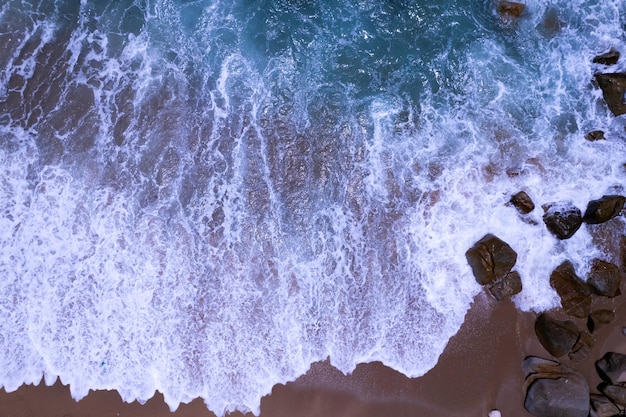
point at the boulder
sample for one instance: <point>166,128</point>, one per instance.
<point>574,293</point>
<point>507,286</point>
<point>562,219</point>
<point>599,318</point>
<point>556,336</point>
<point>604,278</point>
<point>522,202</point>
<point>602,406</point>
<point>613,87</point>
<point>510,9</point>
<point>553,389</point>
<point>617,393</point>
<point>604,209</point>
<point>490,259</point>
<point>612,367</point>
<point>550,24</point>
<point>607,58</point>
<point>595,135</point>
<point>581,348</point>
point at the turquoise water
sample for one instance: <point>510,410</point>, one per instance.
<point>205,197</point>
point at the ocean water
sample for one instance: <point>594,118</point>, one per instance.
<point>205,197</point>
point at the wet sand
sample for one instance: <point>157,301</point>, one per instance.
<point>480,370</point>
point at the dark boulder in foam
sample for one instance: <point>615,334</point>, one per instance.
<point>510,9</point>
<point>613,87</point>
<point>604,278</point>
<point>604,209</point>
<point>490,259</point>
<point>607,58</point>
<point>522,202</point>
<point>562,219</point>
<point>595,135</point>
<point>574,293</point>
<point>553,389</point>
<point>507,286</point>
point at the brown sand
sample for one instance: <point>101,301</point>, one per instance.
<point>480,370</point>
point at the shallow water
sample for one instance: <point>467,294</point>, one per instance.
<point>205,197</point>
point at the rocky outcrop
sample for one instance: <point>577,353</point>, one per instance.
<point>604,278</point>
<point>490,259</point>
<point>553,389</point>
<point>604,209</point>
<point>562,219</point>
<point>607,58</point>
<point>612,368</point>
<point>613,87</point>
<point>507,286</point>
<point>522,202</point>
<point>574,293</point>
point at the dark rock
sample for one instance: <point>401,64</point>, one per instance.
<point>490,259</point>
<point>522,202</point>
<point>574,293</point>
<point>604,209</point>
<point>602,406</point>
<point>556,336</point>
<point>613,87</point>
<point>554,389</point>
<point>608,58</point>
<point>604,278</point>
<point>550,24</point>
<point>510,9</point>
<point>595,135</point>
<point>507,286</point>
<point>581,348</point>
<point>617,393</point>
<point>562,219</point>
<point>599,318</point>
<point>612,367</point>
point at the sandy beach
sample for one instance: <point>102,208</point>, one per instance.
<point>480,370</point>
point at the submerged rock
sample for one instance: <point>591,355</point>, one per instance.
<point>607,58</point>
<point>604,209</point>
<point>595,135</point>
<point>554,389</point>
<point>599,318</point>
<point>490,259</point>
<point>556,336</point>
<point>604,278</point>
<point>510,9</point>
<point>613,87</point>
<point>522,202</point>
<point>562,219</point>
<point>574,293</point>
<point>550,24</point>
<point>612,367</point>
<point>507,286</point>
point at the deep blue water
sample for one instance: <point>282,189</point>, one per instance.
<point>205,197</point>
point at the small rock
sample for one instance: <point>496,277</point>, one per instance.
<point>602,406</point>
<point>574,293</point>
<point>507,286</point>
<point>595,135</point>
<point>510,9</point>
<point>604,209</point>
<point>612,367</point>
<point>550,24</point>
<point>522,202</point>
<point>607,58</point>
<point>582,347</point>
<point>556,336</point>
<point>490,259</point>
<point>604,278</point>
<point>562,219</point>
<point>599,318</point>
<point>553,389</point>
<point>613,88</point>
